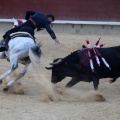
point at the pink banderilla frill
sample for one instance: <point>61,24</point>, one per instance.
<point>90,59</point>
<point>96,54</point>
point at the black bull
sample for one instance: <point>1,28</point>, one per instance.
<point>77,66</point>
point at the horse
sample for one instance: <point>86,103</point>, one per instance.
<point>21,49</point>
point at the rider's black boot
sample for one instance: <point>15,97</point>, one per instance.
<point>3,45</point>
<point>6,42</point>
<point>2,49</point>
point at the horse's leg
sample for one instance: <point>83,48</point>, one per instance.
<point>14,62</point>
<point>19,76</point>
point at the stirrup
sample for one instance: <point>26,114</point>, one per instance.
<point>2,43</point>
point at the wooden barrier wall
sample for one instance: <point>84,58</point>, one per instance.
<point>82,10</point>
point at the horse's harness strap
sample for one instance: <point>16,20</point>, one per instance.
<point>21,34</point>
<point>31,20</point>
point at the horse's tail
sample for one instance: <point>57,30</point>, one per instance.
<point>35,54</point>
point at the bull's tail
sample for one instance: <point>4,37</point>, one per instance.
<point>35,54</point>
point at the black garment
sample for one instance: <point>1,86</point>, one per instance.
<point>28,30</point>
<point>29,13</point>
<point>16,29</point>
<point>41,21</point>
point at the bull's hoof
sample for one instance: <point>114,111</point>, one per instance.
<point>5,89</point>
<point>111,81</point>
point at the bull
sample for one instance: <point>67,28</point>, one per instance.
<point>77,66</point>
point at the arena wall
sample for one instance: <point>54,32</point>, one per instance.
<point>81,10</point>
<point>74,16</point>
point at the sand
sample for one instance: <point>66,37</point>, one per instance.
<point>28,100</point>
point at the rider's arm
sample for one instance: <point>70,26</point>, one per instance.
<point>29,14</point>
<point>50,31</point>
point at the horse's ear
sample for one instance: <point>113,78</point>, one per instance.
<point>48,68</point>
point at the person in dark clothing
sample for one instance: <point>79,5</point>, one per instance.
<point>34,20</point>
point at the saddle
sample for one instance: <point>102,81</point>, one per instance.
<point>4,42</point>
<point>23,32</point>
<point>20,34</point>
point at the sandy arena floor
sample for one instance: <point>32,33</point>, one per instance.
<point>29,105</point>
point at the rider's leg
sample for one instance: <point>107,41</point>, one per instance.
<point>6,37</point>
<point>16,29</point>
<point>4,44</point>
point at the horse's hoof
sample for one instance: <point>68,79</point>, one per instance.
<point>5,89</point>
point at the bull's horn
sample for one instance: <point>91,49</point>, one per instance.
<point>51,63</point>
<point>57,62</point>
<point>48,68</point>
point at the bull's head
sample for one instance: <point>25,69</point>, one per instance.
<point>58,70</point>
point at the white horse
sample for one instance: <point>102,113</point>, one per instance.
<point>21,50</point>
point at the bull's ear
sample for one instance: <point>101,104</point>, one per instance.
<point>48,68</point>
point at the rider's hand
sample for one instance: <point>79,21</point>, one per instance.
<point>56,41</point>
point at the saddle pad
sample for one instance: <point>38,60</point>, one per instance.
<point>20,34</point>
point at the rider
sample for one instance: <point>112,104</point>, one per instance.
<point>34,20</point>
